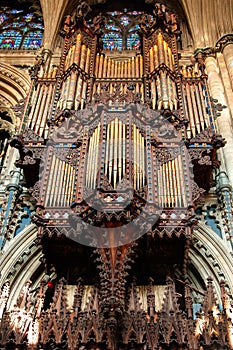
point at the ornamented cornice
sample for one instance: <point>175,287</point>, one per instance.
<point>210,51</point>
<point>20,80</point>
<point>225,40</point>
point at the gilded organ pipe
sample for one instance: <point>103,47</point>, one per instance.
<point>107,67</point>
<point>152,65</point>
<point>115,153</point>
<point>203,104</point>
<point>121,174</point>
<point>72,88</point>
<point>123,149</point>
<point>35,111</point>
<point>83,56</point>
<point>50,183</point>
<point>160,49</point>
<point>78,47</point>
<point>97,59</point>
<point>162,83</point>
<point>200,107</point>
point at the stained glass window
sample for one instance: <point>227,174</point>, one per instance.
<point>112,41</point>
<point>20,30</point>
<point>10,39</point>
<point>133,42</point>
<point>121,31</point>
<point>134,28</point>
<point>2,18</point>
<point>111,26</point>
<point>124,20</point>
<point>32,40</point>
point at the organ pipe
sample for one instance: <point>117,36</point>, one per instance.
<point>162,83</point>
<point>114,159</point>
<point>107,67</point>
<point>74,87</point>
<point>171,192</point>
<point>41,101</point>
<point>78,46</point>
<point>194,104</point>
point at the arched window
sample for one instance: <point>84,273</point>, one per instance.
<point>133,39</point>
<point>20,30</point>
<point>121,32</point>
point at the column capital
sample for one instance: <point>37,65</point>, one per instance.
<point>200,55</point>
<point>205,52</point>
<point>225,40</point>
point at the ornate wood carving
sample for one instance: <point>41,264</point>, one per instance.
<point>97,127</point>
<point>82,324</point>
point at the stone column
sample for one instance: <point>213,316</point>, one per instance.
<point>224,191</point>
<point>225,45</point>
<point>224,122</point>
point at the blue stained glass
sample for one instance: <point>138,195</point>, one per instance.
<point>115,13</point>
<point>112,41</point>
<point>111,27</point>
<point>36,25</point>
<point>13,25</point>
<point>122,31</point>
<point>133,42</point>
<point>134,28</point>
<point>18,25</point>
<point>16,11</point>
<point>8,25</point>
<point>124,20</point>
<point>33,40</point>
<point>29,17</point>
<point>10,39</point>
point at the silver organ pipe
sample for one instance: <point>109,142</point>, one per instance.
<point>60,184</point>
<point>171,191</point>
<point>194,103</point>
<point>41,101</point>
<point>115,156</point>
<point>109,70</point>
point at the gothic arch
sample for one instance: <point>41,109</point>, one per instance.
<point>14,85</point>
<point>210,257</point>
<point>21,260</point>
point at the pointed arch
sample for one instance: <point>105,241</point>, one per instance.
<point>14,85</point>
<point>20,262</point>
<point>211,257</point>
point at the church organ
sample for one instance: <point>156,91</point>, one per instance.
<point>117,145</point>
